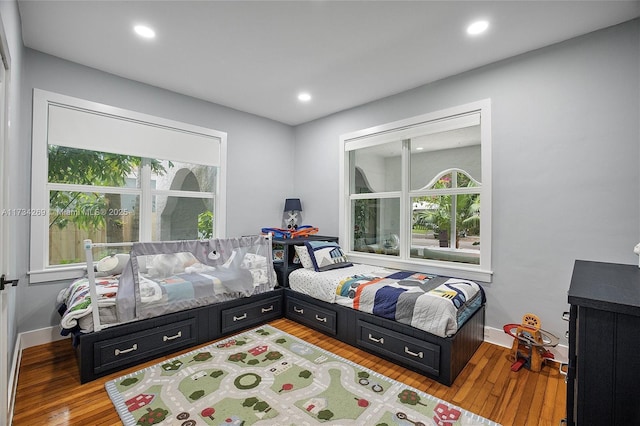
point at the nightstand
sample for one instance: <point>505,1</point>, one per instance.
<point>285,265</point>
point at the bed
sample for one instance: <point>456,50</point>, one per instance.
<point>157,305</point>
<point>163,296</point>
<point>426,322</point>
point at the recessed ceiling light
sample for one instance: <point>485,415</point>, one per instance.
<point>419,148</point>
<point>144,31</point>
<point>304,97</point>
<point>477,27</point>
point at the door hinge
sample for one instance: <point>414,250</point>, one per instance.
<point>4,281</point>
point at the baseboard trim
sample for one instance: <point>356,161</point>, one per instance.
<point>13,378</point>
<point>499,337</point>
<point>40,336</point>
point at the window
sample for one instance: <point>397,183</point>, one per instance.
<point>115,176</point>
<point>411,193</point>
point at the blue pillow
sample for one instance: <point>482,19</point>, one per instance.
<point>326,255</point>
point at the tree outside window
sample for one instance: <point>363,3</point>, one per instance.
<point>97,195</point>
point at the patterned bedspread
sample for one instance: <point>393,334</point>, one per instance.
<point>75,301</point>
<point>438,305</point>
<point>75,304</point>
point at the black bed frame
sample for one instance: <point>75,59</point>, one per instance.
<point>118,347</point>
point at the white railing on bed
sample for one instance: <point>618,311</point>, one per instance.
<point>91,276</point>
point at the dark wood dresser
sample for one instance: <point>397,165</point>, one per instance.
<point>603,375</point>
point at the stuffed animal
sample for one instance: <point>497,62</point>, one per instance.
<point>166,265</point>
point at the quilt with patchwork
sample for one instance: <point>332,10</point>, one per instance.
<point>438,305</point>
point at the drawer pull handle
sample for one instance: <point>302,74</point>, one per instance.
<point>298,310</point>
<point>165,338</point>
<point>269,309</point>
<point>240,318</point>
<point>380,340</point>
<point>321,319</point>
<point>408,352</point>
<point>564,369</point>
<point>566,316</point>
<point>124,351</point>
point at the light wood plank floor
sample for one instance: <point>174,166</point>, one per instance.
<point>49,390</point>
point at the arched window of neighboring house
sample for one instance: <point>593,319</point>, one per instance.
<point>180,215</point>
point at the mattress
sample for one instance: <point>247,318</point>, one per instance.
<point>438,305</point>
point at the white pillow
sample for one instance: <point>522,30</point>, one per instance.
<point>303,255</point>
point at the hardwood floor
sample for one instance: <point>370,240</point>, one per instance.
<point>49,390</point>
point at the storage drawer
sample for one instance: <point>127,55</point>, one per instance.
<point>311,315</point>
<point>244,316</point>
<point>120,351</point>
<point>405,349</point>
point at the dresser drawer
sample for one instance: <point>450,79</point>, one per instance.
<point>120,351</point>
<point>244,316</point>
<point>311,315</point>
<point>405,349</point>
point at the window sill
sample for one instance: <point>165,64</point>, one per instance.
<point>57,274</point>
<point>470,272</point>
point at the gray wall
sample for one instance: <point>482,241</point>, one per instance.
<point>565,163</point>
<point>257,183</point>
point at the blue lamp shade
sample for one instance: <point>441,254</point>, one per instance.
<point>292,204</point>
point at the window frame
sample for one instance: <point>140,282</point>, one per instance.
<point>384,133</point>
<point>39,270</point>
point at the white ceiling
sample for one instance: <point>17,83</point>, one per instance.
<point>256,56</point>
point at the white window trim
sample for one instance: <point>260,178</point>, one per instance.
<point>356,140</point>
<point>38,269</point>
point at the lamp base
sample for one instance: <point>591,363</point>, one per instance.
<point>291,220</point>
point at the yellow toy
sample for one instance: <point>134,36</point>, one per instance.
<point>530,343</point>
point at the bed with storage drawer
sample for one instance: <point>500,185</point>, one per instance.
<point>386,312</point>
<point>428,323</point>
<point>165,296</point>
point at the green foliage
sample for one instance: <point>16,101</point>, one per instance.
<point>85,167</point>
<point>439,218</point>
<point>205,225</point>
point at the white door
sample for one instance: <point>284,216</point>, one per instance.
<point>4,293</point>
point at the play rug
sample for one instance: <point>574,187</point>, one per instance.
<point>267,377</point>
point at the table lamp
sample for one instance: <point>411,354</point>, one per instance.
<point>292,216</point>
